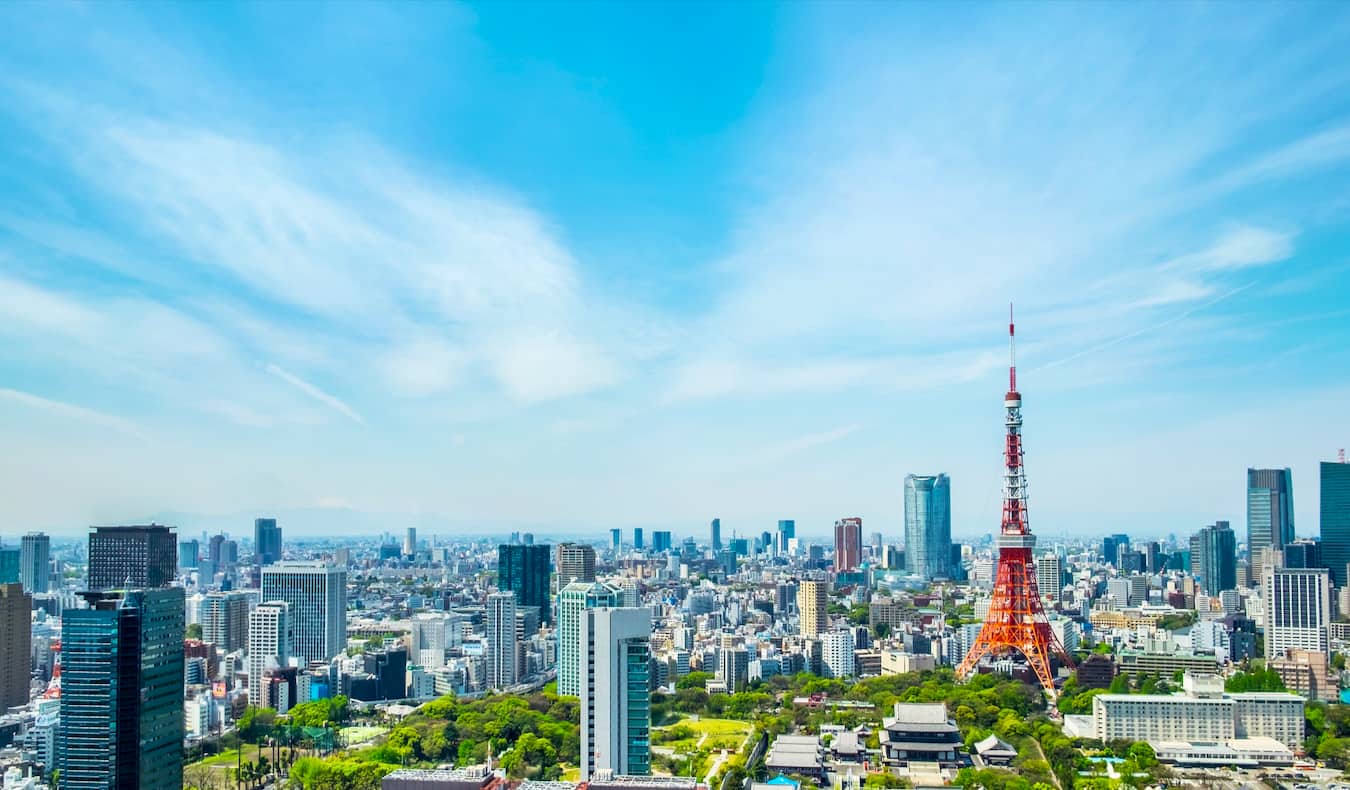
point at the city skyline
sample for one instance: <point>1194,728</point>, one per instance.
<point>750,287</point>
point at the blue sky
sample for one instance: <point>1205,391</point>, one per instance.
<point>567,267</point>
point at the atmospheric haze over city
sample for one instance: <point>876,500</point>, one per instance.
<point>720,395</point>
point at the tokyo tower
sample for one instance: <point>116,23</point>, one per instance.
<point>1016,620</point>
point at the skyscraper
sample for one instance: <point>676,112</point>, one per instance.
<point>224,620</point>
<point>16,606</point>
<point>501,640</point>
<point>616,539</point>
<point>928,526</point>
<point>524,570</point>
<point>787,530</point>
<point>317,596</point>
<point>269,646</point>
<point>574,599</point>
<point>266,540</point>
<point>1217,563</point>
<point>1050,577</point>
<point>10,560</point>
<point>661,541</point>
<point>122,691</point>
<point>35,562</point>
<point>812,608</point>
<point>1270,512</point>
<point>138,557</point>
<point>1111,547</point>
<point>1298,609</point>
<point>615,696</point>
<point>733,663</point>
<point>1335,518</point>
<point>410,542</point>
<point>716,534</point>
<point>836,654</point>
<point>576,563</point>
<point>1303,553</point>
<point>847,544</point>
<point>189,554</point>
<point>637,538</point>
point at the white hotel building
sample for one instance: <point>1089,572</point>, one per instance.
<point>1204,713</point>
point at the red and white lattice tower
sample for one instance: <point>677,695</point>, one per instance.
<point>1016,621</point>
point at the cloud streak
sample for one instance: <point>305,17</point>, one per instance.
<point>331,401</point>
<point>72,411</point>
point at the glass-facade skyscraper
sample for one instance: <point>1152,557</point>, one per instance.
<point>9,564</point>
<point>135,557</point>
<point>1270,512</point>
<point>317,596</point>
<point>122,691</point>
<point>1335,518</point>
<point>1217,558</point>
<point>524,570</point>
<point>35,550</point>
<point>716,527</point>
<point>787,530</point>
<point>266,540</point>
<point>573,601</point>
<point>928,526</point>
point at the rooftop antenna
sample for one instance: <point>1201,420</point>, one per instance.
<point>1012,352</point>
<point>1340,455</point>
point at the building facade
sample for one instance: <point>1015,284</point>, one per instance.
<point>847,544</point>
<point>1217,561</point>
<point>122,691</point>
<point>836,654</point>
<point>266,541</point>
<point>224,620</point>
<point>316,594</point>
<point>16,648</point>
<point>502,641</point>
<point>576,563</point>
<point>928,526</point>
<point>269,646</point>
<point>573,601</point>
<point>1335,518</point>
<point>135,557</point>
<point>1298,610</point>
<point>615,695</point>
<point>35,560</point>
<point>812,607</point>
<point>524,570</point>
<point>1270,512</point>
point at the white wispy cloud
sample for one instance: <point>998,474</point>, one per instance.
<point>799,444</point>
<point>331,401</point>
<point>71,411</point>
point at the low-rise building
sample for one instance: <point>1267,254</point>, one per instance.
<point>921,732</point>
<point>1202,713</point>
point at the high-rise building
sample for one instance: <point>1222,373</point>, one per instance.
<point>1050,576</point>
<point>733,663</point>
<point>1270,512</point>
<point>524,570</point>
<point>616,539</point>
<point>431,635</point>
<point>189,554</point>
<point>138,557</point>
<point>576,563</point>
<point>317,596</point>
<point>661,541</point>
<point>1335,518</point>
<point>1298,609</point>
<point>574,599</point>
<point>269,646</point>
<point>836,654</point>
<point>615,695</point>
<point>637,538</point>
<point>501,640</point>
<point>812,608</point>
<point>122,691</point>
<point>224,620</point>
<point>928,525</point>
<point>266,541</point>
<point>847,544</point>
<point>410,542</point>
<point>35,562</point>
<point>1111,546</point>
<point>716,534</point>
<point>1303,553</point>
<point>787,530</point>
<point>215,550</point>
<point>16,607</point>
<point>1217,563</point>
<point>10,560</point>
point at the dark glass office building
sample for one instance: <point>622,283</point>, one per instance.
<point>716,527</point>
<point>266,540</point>
<point>1335,514</point>
<point>132,558</point>
<point>1218,558</point>
<point>524,570</point>
<point>122,692</point>
<point>1270,511</point>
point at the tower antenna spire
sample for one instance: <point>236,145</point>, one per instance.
<point>1012,352</point>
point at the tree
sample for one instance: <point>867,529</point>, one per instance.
<point>882,630</point>
<point>1255,680</point>
<point>255,722</point>
<point>884,780</point>
<point>1143,755</point>
<point>193,631</point>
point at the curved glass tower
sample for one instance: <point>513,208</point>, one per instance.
<point>928,526</point>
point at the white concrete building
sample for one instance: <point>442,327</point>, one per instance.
<point>1298,609</point>
<point>836,654</point>
<point>317,596</point>
<point>1203,713</point>
<point>615,700</point>
<point>502,642</point>
<point>269,646</point>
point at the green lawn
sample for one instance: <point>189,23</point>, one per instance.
<point>350,736</point>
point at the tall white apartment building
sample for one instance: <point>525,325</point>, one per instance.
<point>429,632</point>
<point>269,640</point>
<point>573,600</point>
<point>317,596</point>
<point>836,654</point>
<point>502,641</point>
<point>615,697</point>
<point>1298,609</point>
